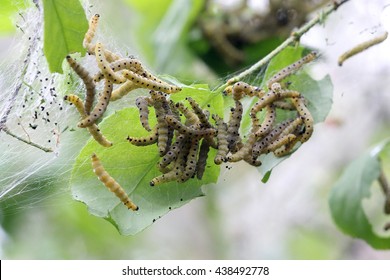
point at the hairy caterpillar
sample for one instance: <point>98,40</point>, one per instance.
<point>111,184</point>
<point>123,90</point>
<point>306,116</point>
<point>150,84</point>
<point>88,82</point>
<point>361,47</point>
<point>287,71</point>
<point>203,118</point>
<point>202,159</point>
<point>104,65</point>
<point>93,129</point>
<point>234,125</point>
<point>190,166</point>
<point>222,140</point>
<point>100,107</point>
<point>142,103</point>
<point>144,141</point>
<point>271,97</point>
<point>130,64</point>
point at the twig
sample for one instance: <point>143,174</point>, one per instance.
<point>361,47</point>
<point>293,38</point>
<point>386,190</point>
<point>47,150</point>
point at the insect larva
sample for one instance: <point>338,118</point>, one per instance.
<point>202,159</point>
<point>267,123</point>
<point>104,65</point>
<point>93,129</point>
<point>284,105</point>
<point>240,89</point>
<point>87,80</point>
<point>100,107</point>
<point>111,184</point>
<point>148,83</point>
<point>280,142</point>
<point>202,115</point>
<point>123,90</point>
<point>144,141</point>
<point>306,116</point>
<point>178,169</point>
<point>91,33</point>
<point>287,71</point>
<point>190,166</point>
<point>222,140</point>
<point>171,155</point>
<point>271,97</point>
<point>191,117</point>
<point>243,151</point>
<point>143,103</point>
<point>162,126</point>
<point>259,146</point>
<point>130,64</point>
<point>292,127</point>
<point>234,125</point>
<point>189,131</point>
<point>361,47</point>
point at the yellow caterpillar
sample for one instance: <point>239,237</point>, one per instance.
<point>104,65</point>
<point>111,184</point>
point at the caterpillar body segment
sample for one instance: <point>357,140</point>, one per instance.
<point>287,71</point>
<point>240,89</point>
<point>234,125</point>
<point>202,159</point>
<point>87,80</point>
<point>171,155</point>
<point>189,131</point>
<point>267,123</point>
<point>131,64</point>
<point>87,43</point>
<point>93,129</point>
<point>110,183</point>
<point>142,104</point>
<point>284,105</point>
<point>100,107</point>
<point>280,142</point>
<point>123,90</point>
<point>190,165</point>
<point>191,117</point>
<point>144,82</point>
<point>202,115</point>
<point>244,151</point>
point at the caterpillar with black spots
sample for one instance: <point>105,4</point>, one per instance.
<point>111,184</point>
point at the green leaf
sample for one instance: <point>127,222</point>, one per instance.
<point>65,25</point>
<point>133,167</point>
<point>318,94</point>
<point>349,191</point>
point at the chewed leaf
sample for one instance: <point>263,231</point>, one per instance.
<point>133,167</point>
<point>64,28</point>
<point>346,198</point>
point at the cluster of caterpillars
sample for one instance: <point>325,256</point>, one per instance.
<point>184,133</point>
<point>184,144</point>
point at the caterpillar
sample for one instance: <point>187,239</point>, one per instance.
<point>110,183</point>
<point>142,103</point>
<point>130,64</point>
<point>177,170</point>
<point>162,126</point>
<point>202,115</point>
<point>189,131</point>
<point>271,97</point>
<point>259,146</point>
<point>104,65</point>
<point>284,105</point>
<point>150,84</point>
<point>306,116</point>
<point>267,123</point>
<point>123,90</point>
<point>202,159</point>
<point>361,47</point>
<point>171,155</point>
<point>191,117</point>
<point>100,107</point>
<point>222,140</point>
<point>287,71</point>
<point>93,129</point>
<point>234,125</point>
<point>243,151</point>
<point>144,141</point>
<point>241,88</point>
<point>87,80</point>
<point>190,166</point>
<point>88,37</point>
<point>279,143</point>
